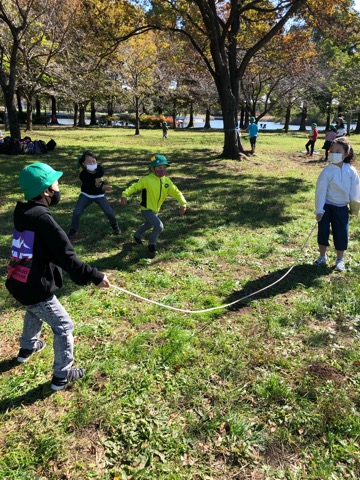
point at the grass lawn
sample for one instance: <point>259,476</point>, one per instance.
<point>265,389</point>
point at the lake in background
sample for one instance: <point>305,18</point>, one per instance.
<point>199,123</point>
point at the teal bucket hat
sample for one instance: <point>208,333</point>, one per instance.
<point>36,178</point>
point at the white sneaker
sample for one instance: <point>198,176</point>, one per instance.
<point>320,261</point>
<point>340,265</point>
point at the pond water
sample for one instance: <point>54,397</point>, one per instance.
<point>199,123</point>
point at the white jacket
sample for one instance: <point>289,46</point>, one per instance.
<point>339,185</point>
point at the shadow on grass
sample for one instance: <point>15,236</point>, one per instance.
<point>36,394</point>
<point>217,196</point>
<point>304,274</point>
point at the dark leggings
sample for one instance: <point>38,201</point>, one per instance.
<point>311,144</point>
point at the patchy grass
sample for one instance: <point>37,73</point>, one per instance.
<point>266,389</point>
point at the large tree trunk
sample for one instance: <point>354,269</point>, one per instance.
<point>11,113</point>
<point>232,141</point>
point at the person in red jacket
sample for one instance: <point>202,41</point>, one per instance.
<point>40,250</point>
<point>312,139</point>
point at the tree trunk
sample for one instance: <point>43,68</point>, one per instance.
<point>92,114</point>
<point>18,99</point>
<point>29,114</point>
<point>54,120</point>
<point>357,129</point>
<point>242,118</point>
<point>287,118</point>
<point>11,113</point>
<point>207,118</point>
<point>76,111</point>
<point>38,108</point>
<point>137,118</point>
<point>232,140</point>
<point>191,116</point>
<point>174,114</point>
<point>82,115</point>
<point>302,127</point>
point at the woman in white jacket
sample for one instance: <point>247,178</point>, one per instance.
<point>337,187</point>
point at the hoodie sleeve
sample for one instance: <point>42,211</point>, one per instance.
<point>62,254</point>
<point>320,192</point>
<point>175,192</point>
<point>355,192</point>
<point>135,187</point>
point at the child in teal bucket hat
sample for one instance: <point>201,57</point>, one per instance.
<point>154,188</point>
<point>40,251</point>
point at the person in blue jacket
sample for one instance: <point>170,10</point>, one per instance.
<point>253,130</point>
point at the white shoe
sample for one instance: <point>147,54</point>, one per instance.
<point>320,261</point>
<point>340,265</point>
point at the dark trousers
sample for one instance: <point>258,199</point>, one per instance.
<point>338,219</point>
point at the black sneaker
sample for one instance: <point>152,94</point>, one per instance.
<point>152,248</point>
<point>25,354</point>
<point>116,230</point>
<point>60,383</point>
<point>72,234</point>
<point>138,240</point>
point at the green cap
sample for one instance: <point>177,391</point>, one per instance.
<point>252,119</point>
<point>314,124</point>
<point>36,178</point>
<point>332,127</point>
<point>158,160</point>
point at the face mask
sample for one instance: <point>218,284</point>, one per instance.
<point>335,157</point>
<point>160,173</point>
<point>91,167</point>
<point>55,199</point>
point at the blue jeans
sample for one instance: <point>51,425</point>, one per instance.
<point>338,218</point>
<point>53,313</point>
<point>151,221</point>
<point>83,202</point>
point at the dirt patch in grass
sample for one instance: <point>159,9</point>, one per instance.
<point>324,372</point>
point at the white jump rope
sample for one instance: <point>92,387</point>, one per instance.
<point>221,306</point>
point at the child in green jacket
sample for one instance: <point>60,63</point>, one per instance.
<point>154,187</point>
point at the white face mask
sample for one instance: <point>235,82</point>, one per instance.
<point>335,157</point>
<point>91,167</point>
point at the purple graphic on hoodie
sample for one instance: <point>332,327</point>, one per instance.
<point>21,255</point>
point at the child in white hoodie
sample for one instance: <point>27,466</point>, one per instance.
<point>337,186</point>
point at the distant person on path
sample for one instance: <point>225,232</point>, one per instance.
<point>253,130</point>
<point>40,250</point>
<point>93,189</point>
<point>154,188</point>
<point>330,136</point>
<point>312,139</point>
<point>337,186</point>
<point>340,127</point>
<point>165,130</point>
